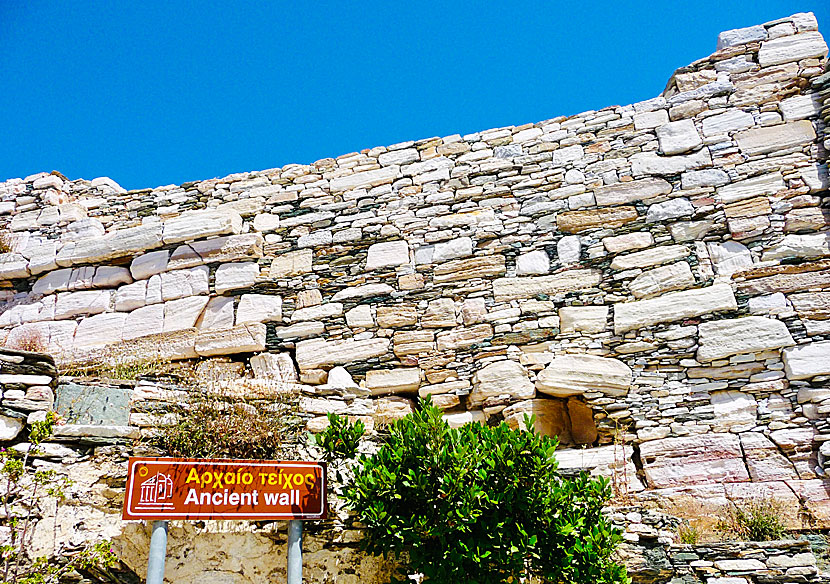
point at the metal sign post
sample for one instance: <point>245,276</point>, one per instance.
<point>160,489</point>
<point>158,552</point>
<point>295,552</point>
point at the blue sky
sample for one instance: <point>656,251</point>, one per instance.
<point>153,93</point>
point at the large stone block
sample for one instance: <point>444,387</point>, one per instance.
<point>387,254</point>
<point>792,48</point>
<point>259,308</point>
<point>505,289</point>
<point>391,409</point>
<point>662,279</point>
<point>10,427</point>
<point>765,184</point>
<point>668,210</point>
<point>218,314</point>
<point>730,121</point>
<point>364,291</point>
<point>468,268</point>
<point>183,313</point>
<point>723,338</point>
<point>231,248</point>
<point>734,411</point>
<point>799,246</point>
<point>71,304</point>
<point>149,264</point>
<point>741,36</point>
<point>650,257</point>
<point>568,375</point>
<point>201,224</point>
<point>613,462</point>
<point>502,378</point>
<point>812,304</point>
<point>291,264</point>
<point>464,337</point>
<point>673,306</point>
<point>551,417</point>
<point>678,137</point>
<point>693,460</point>
<point>369,178</point>
<point>611,217</point>
<point>246,338</point>
<point>143,322</point>
<point>276,367</point>
<point>729,257</point>
<point>773,138</point>
<point>628,241</point>
<point>763,459</point>
<point>99,330</point>
<point>317,353</point>
<point>628,192</point>
<point>13,265</point>
<point>182,283</point>
<point>235,276</point>
<point>584,319</point>
<point>397,316</point>
<point>402,380</point>
<point>808,360</point>
<point>646,163</point>
<point>124,242</point>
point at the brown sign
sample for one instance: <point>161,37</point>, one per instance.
<point>180,488</point>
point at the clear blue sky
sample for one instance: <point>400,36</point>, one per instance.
<point>160,92</point>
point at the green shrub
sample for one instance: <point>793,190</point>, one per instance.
<point>480,505</point>
<point>340,440</point>
<point>758,520</point>
<point>215,426</point>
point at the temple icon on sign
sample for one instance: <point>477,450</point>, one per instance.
<point>155,491</point>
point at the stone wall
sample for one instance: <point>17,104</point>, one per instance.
<point>27,383</point>
<point>652,280</point>
<point>745,562</point>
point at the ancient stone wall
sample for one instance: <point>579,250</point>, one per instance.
<point>652,280</point>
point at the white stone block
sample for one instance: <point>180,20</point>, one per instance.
<point>807,361</point>
<point>70,304</point>
<point>149,264</point>
<point>259,308</point>
<point>678,137</point>
<point>183,313</point>
<point>218,314</point>
<point>792,48</point>
<point>534,262</point>
<point>235,276</point>
<point>723,338</point>
<point>200,224</point>
<point>143,322</point>
<point>387,254</point>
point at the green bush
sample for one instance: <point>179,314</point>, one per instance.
<point>480,505</point>
<point>215,426</point>
<point>758,520</point>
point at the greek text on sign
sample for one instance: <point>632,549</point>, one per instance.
<point>179,488</point>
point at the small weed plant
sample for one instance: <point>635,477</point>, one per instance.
<point>689,534</point>
<point>6,242</point>
<point>23,490</point>
<point>215,425</point>
<point>757,520</point>
<point>477,504</point>
<point>30,340</point>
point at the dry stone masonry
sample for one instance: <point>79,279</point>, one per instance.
<point>652,281</point>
